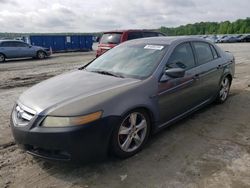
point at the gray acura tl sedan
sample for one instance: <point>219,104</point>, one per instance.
<point>114,103</point>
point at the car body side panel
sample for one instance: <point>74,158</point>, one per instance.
<point>205,87</point>
<point>10,52</point>
<point>27,51</point>
<point>209,77</point>
<point>177,95</point>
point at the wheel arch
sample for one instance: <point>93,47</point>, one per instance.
<point>40,50</point>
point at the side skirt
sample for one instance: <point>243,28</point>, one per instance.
<point>183,115</point>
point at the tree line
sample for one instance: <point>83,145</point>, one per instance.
<point>239,26</point>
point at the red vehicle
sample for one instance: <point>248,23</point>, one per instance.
<point>112,38</point>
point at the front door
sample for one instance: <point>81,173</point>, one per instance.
<point>178,95</point>
<point>25,50</point>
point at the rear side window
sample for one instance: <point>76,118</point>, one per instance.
<point>182,57</point>
<point>6,44</point>
<point>111,38</point>
<point>203,52</point>
<point>215,53</point>
<point>134,35</point>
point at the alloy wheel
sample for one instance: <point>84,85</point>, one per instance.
<point>132,132</point>
<point>224,91</point>
<point>41,55</point>
<point>2,58</point>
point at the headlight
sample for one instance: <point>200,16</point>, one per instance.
<point>52,121</point>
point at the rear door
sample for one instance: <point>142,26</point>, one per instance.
<point>209,69</point>
<point>10,49</point>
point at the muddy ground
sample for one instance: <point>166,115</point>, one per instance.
<point>209,149</point>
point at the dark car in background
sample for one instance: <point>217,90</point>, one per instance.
<point>10,49</point>
<point>221,37</point>
<point>245,38</point>
<point>116,101</point>
<point>230,39</point>
<point>112,38</point>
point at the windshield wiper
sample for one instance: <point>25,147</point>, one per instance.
<point>108,73</point>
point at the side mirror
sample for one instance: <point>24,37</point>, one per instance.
<point>175,72</point>
<point>172,73</point>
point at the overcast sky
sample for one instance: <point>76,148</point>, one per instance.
<point>102,15</point>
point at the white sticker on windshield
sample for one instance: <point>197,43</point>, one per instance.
<point>154,47</point>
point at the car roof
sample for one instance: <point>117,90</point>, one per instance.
<point>166,40</point>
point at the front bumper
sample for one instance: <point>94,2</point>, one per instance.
<point>77,143</point>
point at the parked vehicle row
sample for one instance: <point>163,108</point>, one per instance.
<point>227,38</point>
<point>10,49</point>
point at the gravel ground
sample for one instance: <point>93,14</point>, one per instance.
<point>211,148</point>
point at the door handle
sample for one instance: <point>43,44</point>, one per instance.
<point>196,77</point>
<point>219,67</point>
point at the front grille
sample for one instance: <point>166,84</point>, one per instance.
<point>22,115</point>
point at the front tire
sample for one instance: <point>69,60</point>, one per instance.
<point>224,90</point>
<point>41,55</point>
<point>2,58</point>
<point>131,135</point>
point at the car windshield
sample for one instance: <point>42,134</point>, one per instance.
<point>136,61</point>
<point>111,38</point>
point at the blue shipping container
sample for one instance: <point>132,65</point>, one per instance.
<point>62,43</point>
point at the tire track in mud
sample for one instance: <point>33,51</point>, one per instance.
<point>7,145</point>
<point>24,81</point>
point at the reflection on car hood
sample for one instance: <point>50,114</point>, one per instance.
<point>65,87</point>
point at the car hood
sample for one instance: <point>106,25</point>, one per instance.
<point>67,87</point>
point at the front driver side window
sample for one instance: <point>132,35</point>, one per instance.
<point>182,57</point>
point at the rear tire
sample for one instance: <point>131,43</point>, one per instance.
<point>2,58</point>
<point>130,136</point>
<point>41,55</point>
<point>224,90</point>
